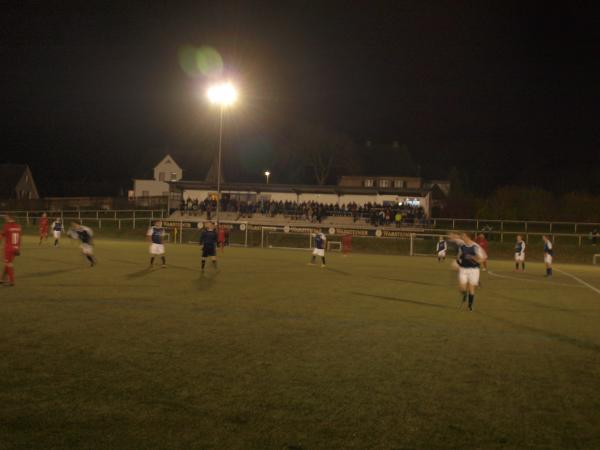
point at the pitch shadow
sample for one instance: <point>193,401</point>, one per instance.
<point>403,300</point>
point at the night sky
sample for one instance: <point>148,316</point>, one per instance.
<point>507,91</point>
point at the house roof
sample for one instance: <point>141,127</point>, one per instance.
<point>167,156</point>
<point>10,175</point>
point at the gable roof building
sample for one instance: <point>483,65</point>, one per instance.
<point>16,182</point>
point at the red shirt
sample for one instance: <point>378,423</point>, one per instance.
<point>11,233</point>
<point>483,243</point>
<point>43,223</point>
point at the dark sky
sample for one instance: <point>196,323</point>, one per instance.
<point>508,91</point>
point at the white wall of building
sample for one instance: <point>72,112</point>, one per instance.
<point>150,188</point>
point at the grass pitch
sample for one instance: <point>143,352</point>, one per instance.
<point>268,353</point>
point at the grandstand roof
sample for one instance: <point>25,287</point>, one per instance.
<point>296,188</point>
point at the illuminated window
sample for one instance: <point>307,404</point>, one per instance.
<point>398,183</point>
<point>173,176</point>
<point>384,183</point>
<point>369,182</point>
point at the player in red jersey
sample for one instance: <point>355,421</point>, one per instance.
<point>11,234</point>
<point>43,227</point>
<point>483,243</point>
<point>346,244</point>
<point>221,238</point>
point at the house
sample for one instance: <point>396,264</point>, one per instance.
<point>16,182</point>
<point>165,171</point>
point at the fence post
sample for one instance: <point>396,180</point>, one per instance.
<point>27,215</point>
<point>133,220</point>
<point>119,224</point>
<point>115,214</point>
<point>575,228</point>
<point>412,242</point>
<point>501,237</point>
<point>579,240</point>
<point>453,224</point>
<point>99,224</point>
<point>550,227</point>
<point>477,225</point>
<point>181,232</point>
<point>97,216</point>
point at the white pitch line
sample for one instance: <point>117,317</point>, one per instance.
<point>529,280</point>
<point>585,283</point>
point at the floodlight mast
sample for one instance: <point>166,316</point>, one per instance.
<point>267,175</point>
<point>224,95</point>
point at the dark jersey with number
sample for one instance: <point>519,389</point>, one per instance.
<point>208,239</point>
<point>467,255</point>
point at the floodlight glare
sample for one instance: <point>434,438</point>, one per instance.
<point>223,94</point>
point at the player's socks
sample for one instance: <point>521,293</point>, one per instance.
<point>323,260</point>
<point>90,259</point>
<point>164,261</point>
<point>465,296</point>
<point>203,264</point>
<point>152,261</point>
<point>516,266</point>
<point>471,300</point>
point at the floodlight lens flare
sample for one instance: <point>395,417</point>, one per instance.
<point>223,94</point>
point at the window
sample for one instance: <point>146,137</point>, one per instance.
<point>384,183</point>
<point>398,183</point>
<point>145,193</point>
<point>368,182</point>
<point>161,176</point>
<point>173,176</point>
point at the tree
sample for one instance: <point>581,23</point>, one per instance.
<point>324,152</point>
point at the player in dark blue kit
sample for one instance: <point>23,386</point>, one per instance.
<point>548,255</point>
<point>57,228</point>
<point>208,241</point>
<point>84,235</point>
<point>319,249</point>
<point>470,256</point>
<point>155,234</point>
<point>520,253</point>
<point>442,248</point>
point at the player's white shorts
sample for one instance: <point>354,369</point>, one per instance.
<point>519,257</point>
<point>87,249</point>
<point>56,234</point>
<point>547,258</point>
<point>319,252</point>
<point>157,249</point>
<point>442,254</point>
<point>468,275</point>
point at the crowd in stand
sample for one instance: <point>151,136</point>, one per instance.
<point>373,213</point>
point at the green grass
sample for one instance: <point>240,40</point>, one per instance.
<point>268,353</point>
